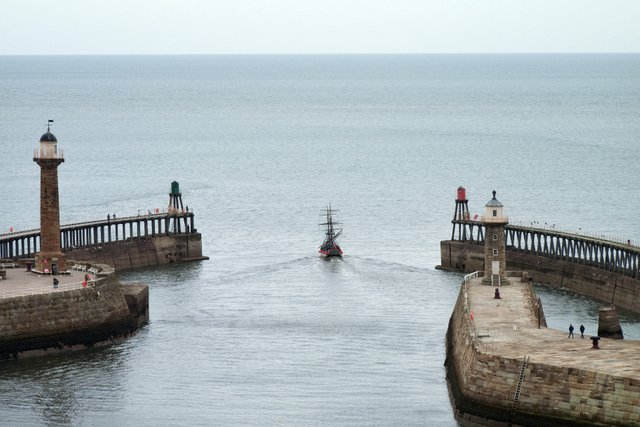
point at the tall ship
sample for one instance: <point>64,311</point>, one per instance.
<point>332,230</point>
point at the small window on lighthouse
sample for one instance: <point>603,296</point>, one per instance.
<point>495,212</point>
<point>495,237</point>
<point>495,252</point>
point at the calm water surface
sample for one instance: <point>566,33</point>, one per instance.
<point>266,332</point>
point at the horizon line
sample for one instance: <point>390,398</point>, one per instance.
<point>329,53</point>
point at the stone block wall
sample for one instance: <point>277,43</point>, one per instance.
<point>482,387</point>
<point>580,396</point>
<point>60,320</point>
<point>462,256</point>
<point>137,297</point>
<point>142,252</point>
<point>606,286</point>
<point>536,306</point>
<point>477,392</point>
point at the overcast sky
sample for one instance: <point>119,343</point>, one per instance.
<point>317,26</point>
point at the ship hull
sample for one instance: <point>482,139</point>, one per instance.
<point>331,252</point>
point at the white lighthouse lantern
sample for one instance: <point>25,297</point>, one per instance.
<point>48,148</point>
<point>494,212</point>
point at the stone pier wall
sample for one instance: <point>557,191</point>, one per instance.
<point>137,297</point>
<point>66,320</point>
<point>482,387</point>
<point>143,252</point>
<point>608,287</point>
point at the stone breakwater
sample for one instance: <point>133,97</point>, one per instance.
<point>50,322</point>
<point>503,369</point>
<point>44,322</point>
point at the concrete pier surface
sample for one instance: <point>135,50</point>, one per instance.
<point>19,282</point>
<point>508,327</point>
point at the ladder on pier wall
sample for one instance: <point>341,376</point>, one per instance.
<point>516,394</point>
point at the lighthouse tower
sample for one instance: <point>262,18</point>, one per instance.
<point>495,259</point>
<point>50,259</point>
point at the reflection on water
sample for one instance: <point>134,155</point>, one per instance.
<point>61,389</point>
<point>55,401</point>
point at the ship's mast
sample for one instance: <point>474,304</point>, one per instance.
<point>329,225</point>
<point>330,231</point>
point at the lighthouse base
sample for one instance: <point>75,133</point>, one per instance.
<point>495,280</point>
<point>50,263</point>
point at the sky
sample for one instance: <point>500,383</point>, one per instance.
<point>72,27</point>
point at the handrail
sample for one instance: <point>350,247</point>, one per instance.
<point>45,290</point>
<point>468,313</point>
<point>19,244</point>
<point>620,257</point>
<point>579,232</point>
<point>103,221</point>
<point>535,226</point>
<point>471,276</point>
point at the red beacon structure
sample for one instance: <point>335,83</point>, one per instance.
<point>460,215</point>
<point>461,194</point>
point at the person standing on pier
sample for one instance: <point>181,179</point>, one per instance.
<point>581,331</point>
<point>570,331</point>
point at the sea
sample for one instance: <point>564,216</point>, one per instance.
<point>266,332</point>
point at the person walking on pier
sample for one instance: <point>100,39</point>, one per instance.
<point>581,331</point>
<point>570,331</point>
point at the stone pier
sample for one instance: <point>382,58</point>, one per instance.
<point>506,368</point>
<point>82,309</point>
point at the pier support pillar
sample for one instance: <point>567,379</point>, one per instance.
<point>609,323</point>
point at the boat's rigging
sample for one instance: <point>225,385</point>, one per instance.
<point>333,229</point>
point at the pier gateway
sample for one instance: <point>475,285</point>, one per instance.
<point>504,366</point>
